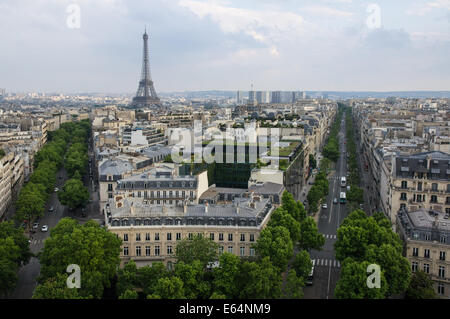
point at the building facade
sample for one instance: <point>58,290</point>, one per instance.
<point>150,233</point>
<point>426,236</point>
<point>419,181</point>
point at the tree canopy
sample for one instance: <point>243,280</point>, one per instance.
<point>14,252</point>
<point>364,239</point>
<point>92,248</point>
<point>74,194</point>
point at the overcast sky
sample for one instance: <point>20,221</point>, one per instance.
<point>205,45</point>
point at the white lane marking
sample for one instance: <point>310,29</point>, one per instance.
<point>329,277</point>
<point>331,209</point>
<point>326,262</point>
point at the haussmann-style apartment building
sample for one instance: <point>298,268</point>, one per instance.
<point>151,232</point>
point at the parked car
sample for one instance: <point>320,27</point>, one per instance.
<point>325,206</point>
<point>35,225</point>
<point>51,209</point>
<point>44,228</point>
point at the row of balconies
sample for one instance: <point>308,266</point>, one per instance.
<point>423,190</point>
<point>411,201</point>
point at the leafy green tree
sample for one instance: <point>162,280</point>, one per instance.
<point>420,287</point>
<point>396,270</point>
<point>45,174</point>
<point>194,283</point>
<point>30,202</point>
<point>294,286</point>
<point>225,275</point>
<point>168,159</point>
<point>74,194</point>
<point>216,295</point>
<point>94,249</point>
<point>8,275</point>
<point>169,288</point>
<point>310,238</point>
<point>129,294</point>
<point>197,248</point>
<point>312,161</point>
<point>355,194</point>
<point>288,204</point>
<point>7,230</point>
<point>371,239</point>
<point>352,283</point>
<point>325,164</point>
<point>148,276</point>
<point>352,242</point>
<point>258,280</point>
<point>49,152</point>
<point>302,264</point>
<point>56,288</point>
<point>275,242</point>
<point>127,278</point>
<point>280,217</point>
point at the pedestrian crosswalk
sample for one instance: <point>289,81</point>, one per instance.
<point>327,236</point>
<point>327,263</point>
<point>36,241</point>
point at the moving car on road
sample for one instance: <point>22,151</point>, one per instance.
<point>51,209</point>
<point>325,206</point>
<point>342,198</point>
<point>44,228</point>
<point>335,201</point>
<point>309,280</point>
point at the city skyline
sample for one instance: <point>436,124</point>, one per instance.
<point>211,45</point>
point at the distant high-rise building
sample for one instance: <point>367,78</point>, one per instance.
<point>251,96</point>
<point>281,97</point>
<point>303,95</point>
<point>2,92</point>
<point>239,97</point>
<point>262,97</point>
<point>276,97</point>
<point>146,94</point>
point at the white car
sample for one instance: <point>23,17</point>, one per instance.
<point>44,228</point>
<point>324,206</point>
<point>56,189</point>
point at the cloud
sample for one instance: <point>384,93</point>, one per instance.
<point>263,26</point>
<point>423,9</point>
<point>326,11</point>
<point>382,39</point>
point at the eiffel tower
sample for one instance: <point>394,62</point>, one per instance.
<point>146,94</point>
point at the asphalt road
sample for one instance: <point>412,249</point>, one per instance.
<point>327,268</point>
<point>27,275</point>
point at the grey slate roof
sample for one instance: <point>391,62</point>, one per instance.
<point>115,167</point>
